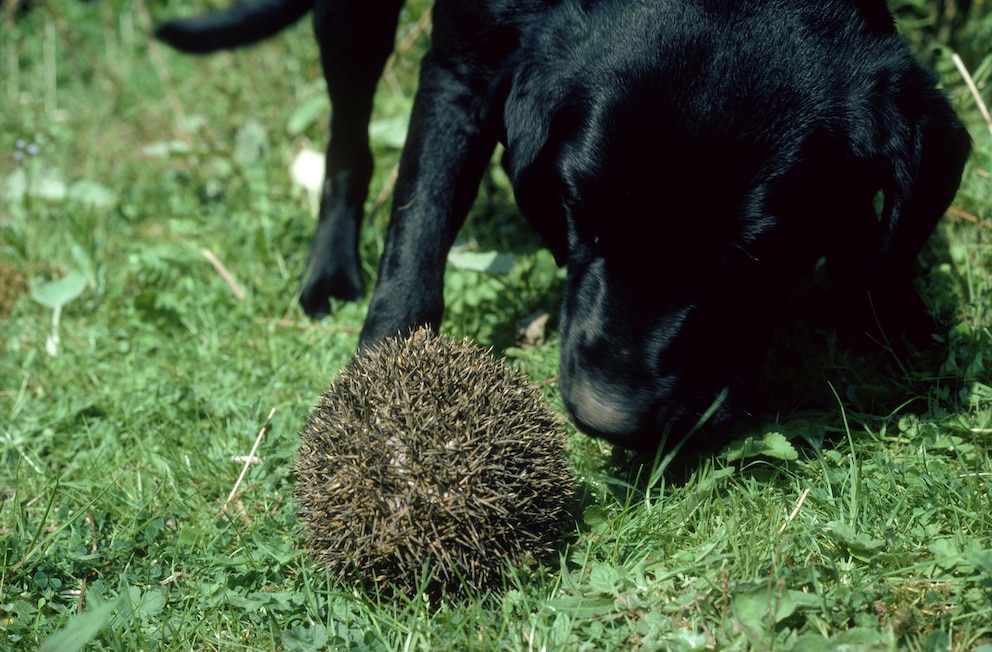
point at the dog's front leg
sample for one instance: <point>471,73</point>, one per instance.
<point>355,38</point>
<point>448,147</point>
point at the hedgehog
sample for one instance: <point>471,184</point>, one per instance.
<point>429,467</point>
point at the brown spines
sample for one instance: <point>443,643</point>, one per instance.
<point>429,456</point>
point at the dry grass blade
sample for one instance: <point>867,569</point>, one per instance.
<point>974,90</point>
<point>224,274</point>
<point>249,458</point>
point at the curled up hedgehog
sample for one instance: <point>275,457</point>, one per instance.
<point>429,466</point>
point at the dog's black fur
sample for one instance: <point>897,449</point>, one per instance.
<point>688,159</point>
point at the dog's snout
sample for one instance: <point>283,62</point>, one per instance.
<point>601,411</point>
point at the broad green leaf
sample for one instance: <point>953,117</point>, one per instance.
<point>578,607</point>
<point>92,193</point>
<point>48,184</point>
<point>858,544</point>
<point>792,601</point>
<point>937,641</point>
<point>759,607</point>
<point>14,186</point>
<point>688,641</point>
<point>85,262</point>
<point>946,553</point>
<point>771,444</point>
<point>250,144</point>
<point>856,639</point>
<point>491,262</point>
<point>777,446</point>
<point>56,294</point>
<point>604,578</point>
<point>390,132</point>
<point>81,629</point>
<point>813,432</point>
<point>149,603</point>
<point>982,560</point>
<point>312,637</point>
<point>596,518</point>
<point>307,113</point>
<point>165,148</point>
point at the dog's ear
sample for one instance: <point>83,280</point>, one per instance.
<point>923,152</point>
<point>540,120</point>
<point>926,158</point>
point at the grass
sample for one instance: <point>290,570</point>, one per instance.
<point>133,381</point>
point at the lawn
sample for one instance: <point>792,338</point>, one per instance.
<point>151,245</point>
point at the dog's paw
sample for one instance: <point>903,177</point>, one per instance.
<point>319,289</point>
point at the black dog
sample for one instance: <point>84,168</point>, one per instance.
<point>689,160</point>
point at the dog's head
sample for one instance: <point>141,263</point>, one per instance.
<point>674,270</point>
<point>688,179</point>
<point>640,180</point>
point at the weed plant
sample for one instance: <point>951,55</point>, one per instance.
<point>151,244</point>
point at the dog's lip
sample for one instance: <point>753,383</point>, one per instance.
<point>641,442</point>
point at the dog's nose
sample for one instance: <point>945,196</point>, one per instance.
<point>601,412</point>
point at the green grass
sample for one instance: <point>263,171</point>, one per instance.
<point>865,519</point>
